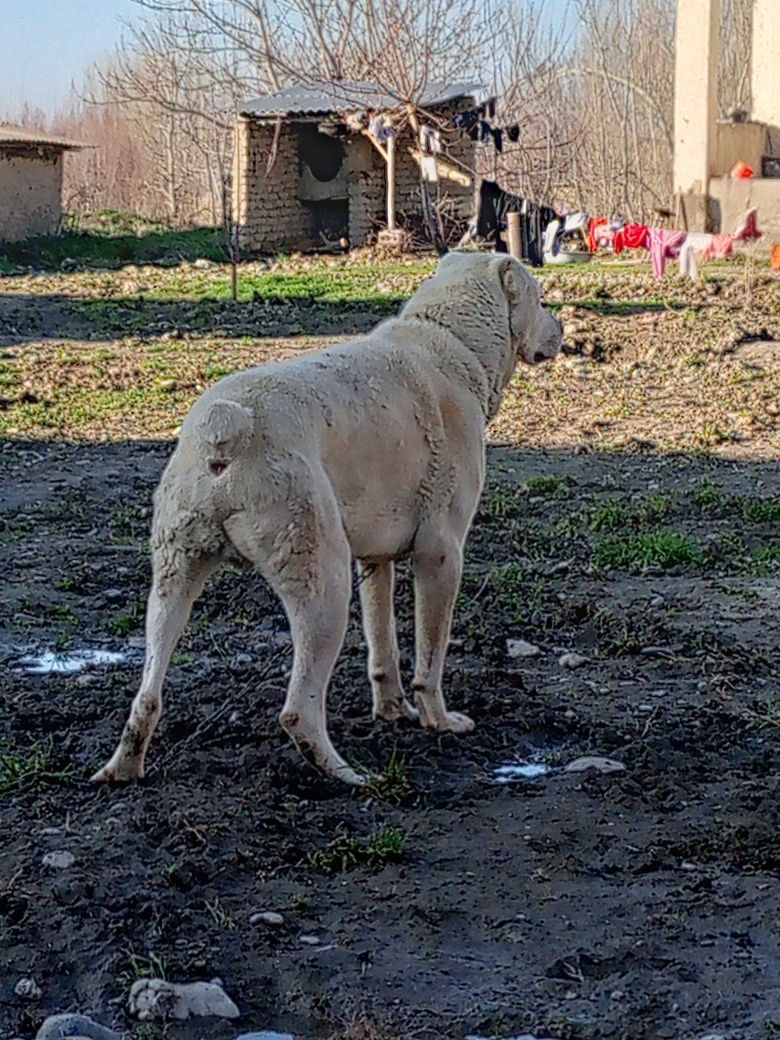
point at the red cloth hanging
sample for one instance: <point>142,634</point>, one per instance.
<point>632,236</point>
<point>593,225</point>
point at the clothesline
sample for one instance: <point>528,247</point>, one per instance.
<point>665,244</point>
<point>544,228</point>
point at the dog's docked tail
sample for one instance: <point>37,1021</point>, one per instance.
<point>225,430</point>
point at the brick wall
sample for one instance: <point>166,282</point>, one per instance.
<point>270,206</point>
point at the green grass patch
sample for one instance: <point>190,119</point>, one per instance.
<point>707,494</point>
<point>613,515</point>
<point>392,786</point>
<point>32,769</point>
<point>760,510</point>
<point>111,239</point>
<point>549,486</point>
<point>664,549</point>
<point>348,853</point>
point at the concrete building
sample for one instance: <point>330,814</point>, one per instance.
<point>30,182</point>
<point>706,148</point>
<point>308,170</point>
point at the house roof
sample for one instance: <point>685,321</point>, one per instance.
<point>20,136</point>
<point>324,98</point>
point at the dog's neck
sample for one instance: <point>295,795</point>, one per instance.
<point>492,347</point>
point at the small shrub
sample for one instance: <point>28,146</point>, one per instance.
<point>548,485</point>
<point>347,853</point>
<point>34,769</point>
<point>391,786</point>
<point>662,549</point>
<point>707,494</point>
<point>760,510</point>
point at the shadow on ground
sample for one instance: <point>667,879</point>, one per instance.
<point>642,902</point>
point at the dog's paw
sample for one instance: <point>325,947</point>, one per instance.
<point>118,773</point>
<point>391,711</point>
<point>453,722</point>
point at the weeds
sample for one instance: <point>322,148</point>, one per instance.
<point>32,770</point>
<point>144,966</point>
<point>220,916</point>
<point>392,786</point>
<point>707,494</point>
<point>127,620</point>
<point>662,549</point>
<point>347,853</point>
<point>549,486</point>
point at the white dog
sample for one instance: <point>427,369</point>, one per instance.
<point>372,450</point>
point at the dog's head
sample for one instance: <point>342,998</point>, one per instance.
<point>534,333</point>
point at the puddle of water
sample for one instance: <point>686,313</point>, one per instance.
<point>511,771</point>
<point>67,662</point>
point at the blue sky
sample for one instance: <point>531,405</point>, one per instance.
<point>46,44</point>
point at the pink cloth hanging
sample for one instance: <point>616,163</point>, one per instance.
<point>664,245</point>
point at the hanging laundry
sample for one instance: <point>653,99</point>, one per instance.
<point>664,245</point>
<point>595,224</point>
<point>490,108</point>
<point>381,128</point>
<point>552,245</point>
<point>748,231</point>
<point>498,139</point>
<point>485,130</point>
<point>513,133</point>
<point>719,248</point>
<point>576,222</point>
<point>429,168</point>
<point>466,120</point>
<point>356,120</point>
<point>495,204</point>
<point>696,242</point>
<point>632,236</point>
<point>776,257</point>
<point>430,140</point>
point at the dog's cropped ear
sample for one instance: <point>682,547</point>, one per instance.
<point>520,288</point>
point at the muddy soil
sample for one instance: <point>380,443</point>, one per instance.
<point>642,903</point>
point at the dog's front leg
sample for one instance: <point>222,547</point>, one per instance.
<point>176,584</point>
<point>438,565</point>
<point>377,579</point>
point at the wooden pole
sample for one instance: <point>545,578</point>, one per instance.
<point>391,183</point>
<point>513,234</point>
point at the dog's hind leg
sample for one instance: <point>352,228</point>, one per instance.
<point>377,579</point>
<point>301,549</point>
<point>438,564</point>
<point>177,582</point>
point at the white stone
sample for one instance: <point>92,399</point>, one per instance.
<point>267,917</point>
<point>572,660</point>
<point>520,648</point>
<point>160,999</point>
<point>60,859</point>
<point>598,762</point>
<point>59,1027</point>
<point>27,989</point>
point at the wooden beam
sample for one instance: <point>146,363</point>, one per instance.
<point>375,143</point>
<point>391,184</point>
<point>446,170</point>
<point>513,234</point>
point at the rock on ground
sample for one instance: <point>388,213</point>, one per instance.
<point>60,1027</point>
<point>157,998</point>
<point>520,648</point>
<point>27,989</point>
<point>603,765</point>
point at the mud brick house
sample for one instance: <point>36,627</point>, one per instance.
<point>30,182</point>
<point>315,163</point>
<point>705,147</point>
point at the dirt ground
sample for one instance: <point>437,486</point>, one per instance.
<point>631,517</point>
